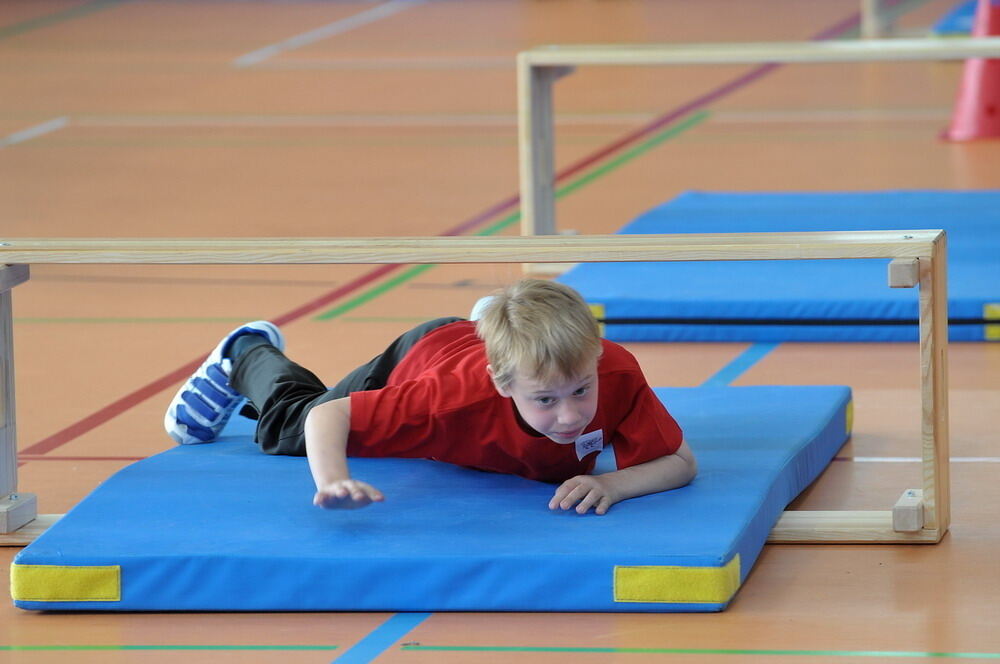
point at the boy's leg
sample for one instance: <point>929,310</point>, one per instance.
<point>283,392</point>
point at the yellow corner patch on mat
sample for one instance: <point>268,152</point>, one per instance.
<point>60,583</point>
<point>674,584</point>
<point>597,311</point>
<point>991,312</point>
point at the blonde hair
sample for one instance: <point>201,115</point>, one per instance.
<point>542,328</point>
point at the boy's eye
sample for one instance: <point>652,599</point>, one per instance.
<point>580,392</point>
<point>545,401</point>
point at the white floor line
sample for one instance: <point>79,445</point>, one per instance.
<point>34,132</point>
<point>329,30</point>
<point>918,459</point>
<point>478,62</point>
<point>348,120</point>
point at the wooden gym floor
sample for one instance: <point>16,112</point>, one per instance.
<point>193,118</point>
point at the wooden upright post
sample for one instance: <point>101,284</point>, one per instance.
<point>537,148</point>
<point>16,509</point>
<point>934,387</point>
<point>8,451</point>
<point>874,23</point>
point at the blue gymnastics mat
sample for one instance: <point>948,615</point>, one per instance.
<point>959,20</point>
<point>223,527</point>
<point>818,300</point>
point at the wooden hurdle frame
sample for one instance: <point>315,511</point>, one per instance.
<point>539,68</point>
<point>918,257</point>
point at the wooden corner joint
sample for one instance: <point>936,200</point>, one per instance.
<point>12,275</point>
<point>30,531</point>
<point>554,72</point>
<point>17,509</point>
<point>904,272</point>
<point>908,512</point>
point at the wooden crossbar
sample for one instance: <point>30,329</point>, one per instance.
<point>828,52</point>
<point>593,248</point>
<point>927,247</point>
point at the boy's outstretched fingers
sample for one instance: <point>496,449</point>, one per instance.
<point>347,494</point>
<point>596,500</point>
<point>585,492</point>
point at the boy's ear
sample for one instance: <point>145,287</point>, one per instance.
<point>502,391</point>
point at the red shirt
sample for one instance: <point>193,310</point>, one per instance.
<point>440,403</point>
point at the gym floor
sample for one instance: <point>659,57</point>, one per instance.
<point>206,119</point>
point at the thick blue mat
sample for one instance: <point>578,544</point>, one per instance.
<point>821,300</point>
<point>959,20</point>
<point>224,527</point>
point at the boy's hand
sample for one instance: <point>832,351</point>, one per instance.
<point>586,492</point>
<point>347,495</point>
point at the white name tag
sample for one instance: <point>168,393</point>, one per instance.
<point>589,442</point>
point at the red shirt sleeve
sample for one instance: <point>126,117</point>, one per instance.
<point>643,430</point>
<point>647,432</point>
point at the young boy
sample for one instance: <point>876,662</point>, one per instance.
<point>529,388</point>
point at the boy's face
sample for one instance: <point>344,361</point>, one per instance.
<point>561,410</point>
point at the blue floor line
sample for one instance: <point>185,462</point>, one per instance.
<point>381,638</point>
<point>739,365</point>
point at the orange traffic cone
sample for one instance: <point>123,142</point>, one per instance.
<point>977,111</point>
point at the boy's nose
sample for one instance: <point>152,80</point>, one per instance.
<point>568,414</point>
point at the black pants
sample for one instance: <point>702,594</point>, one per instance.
<point>283,392</point>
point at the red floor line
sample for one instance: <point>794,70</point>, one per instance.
<point>118,407</point>
<point>337,293</point>
<point>112,410</point>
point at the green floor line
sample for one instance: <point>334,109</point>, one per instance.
<point>384,319</point>
<point>604,169</point>
<point>58,17</point>
<point>70,648</point>
<point>668,133</point>
<point>714,651</point>
<point>367,296</point>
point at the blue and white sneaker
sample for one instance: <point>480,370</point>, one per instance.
<point>204,403</point>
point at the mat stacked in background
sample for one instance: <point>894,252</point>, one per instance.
<point>959,20</point>
<point>222,527</point>
<point>820,300</point>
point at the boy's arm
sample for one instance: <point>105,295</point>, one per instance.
<point>327,427</point>
<point>600,492</point>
